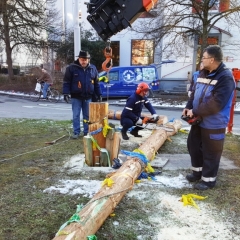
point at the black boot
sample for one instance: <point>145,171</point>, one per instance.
<point>204,185</point>
<point>135,133</point>
<point>124,135</point>
<point>193,177</point>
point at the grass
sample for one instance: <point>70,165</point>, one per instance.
<point>28,166</point>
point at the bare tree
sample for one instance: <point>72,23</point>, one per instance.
<point>27,24</point>
<point>89,42</point>
<point>182,22</point>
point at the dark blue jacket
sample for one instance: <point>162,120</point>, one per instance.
<point>214,105</point>
<point>134,106</point>
<point>81,83</point>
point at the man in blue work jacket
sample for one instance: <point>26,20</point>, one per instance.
<point>131,114</point>
<point>211,101</point>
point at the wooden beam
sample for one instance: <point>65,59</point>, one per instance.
<point>116,115</point>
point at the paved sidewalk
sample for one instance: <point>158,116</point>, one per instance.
<point>182,161</point>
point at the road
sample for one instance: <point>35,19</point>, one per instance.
<point>19,107</point>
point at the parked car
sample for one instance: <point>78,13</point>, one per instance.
<point>123,81</point>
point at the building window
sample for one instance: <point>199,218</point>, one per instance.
<point>214,4</point>
<point>142,52</point>
<point>115,52</point>
<point>213,39</point>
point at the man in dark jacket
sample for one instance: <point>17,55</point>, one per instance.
<point>131,114</point>
<point>211,100</point>
<point>81,81</point>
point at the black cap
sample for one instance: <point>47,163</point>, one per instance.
<point>84,54</point>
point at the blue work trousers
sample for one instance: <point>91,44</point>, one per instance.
<point>129,123</point>
<point>79,105</point>
<point>205,147</point>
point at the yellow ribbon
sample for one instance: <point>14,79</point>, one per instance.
<point>108,181</point>
<point>106,127</point>
<point>148,168</point>
<point>188,200</point>
<point>183,131</point>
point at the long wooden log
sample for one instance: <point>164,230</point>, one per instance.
<point>176,125</point>
<point>95,212</point>
<point>117,116</point>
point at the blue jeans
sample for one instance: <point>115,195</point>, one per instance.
<point>45,88</point>
<point>77,106</point>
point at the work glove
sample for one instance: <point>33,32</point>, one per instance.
<point>139,122</point>
<point>99,99</point>
<point>66,98</point>
<point>155,117</point>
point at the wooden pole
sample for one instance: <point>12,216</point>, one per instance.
<point>95,212</point>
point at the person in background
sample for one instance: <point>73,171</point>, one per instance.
<point>211,100</point>
<point>47,79</point>
<point>131,114</point>
<point>194,79</point>
<point>81,82</point>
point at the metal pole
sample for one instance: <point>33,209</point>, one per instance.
<point>236,75</point>
<point>64,20</point>
<point>77,38</point>
<point>230,123</point>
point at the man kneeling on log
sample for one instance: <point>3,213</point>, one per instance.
<point>131,114</point>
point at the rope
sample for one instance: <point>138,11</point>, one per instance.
<point>38,149</point>
<point>88,122</point>
<point>74,218</point>
<point>136,154</point>
<point>96,131</point>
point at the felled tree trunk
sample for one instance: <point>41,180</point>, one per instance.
<point>95,212</point>
<point>117,115</point>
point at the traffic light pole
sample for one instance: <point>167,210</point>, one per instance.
<point>77,24</point>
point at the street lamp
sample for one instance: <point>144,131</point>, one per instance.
<point>77,24</point>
